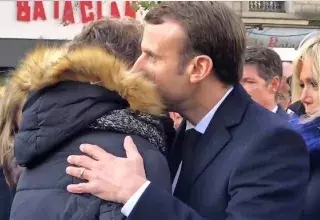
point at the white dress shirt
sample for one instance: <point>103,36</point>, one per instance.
<point>275,109</point>
<point>200,127</point>
<point>289,111</point>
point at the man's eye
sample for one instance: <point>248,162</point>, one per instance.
<point>148,54</point>
<point>247,81</point>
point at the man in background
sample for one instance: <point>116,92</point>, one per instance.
<point>262,74</point>
<point>284,92</point>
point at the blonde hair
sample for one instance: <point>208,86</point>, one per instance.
<point>310,51</point>
<point>11,104</point>
<point>2,92</point>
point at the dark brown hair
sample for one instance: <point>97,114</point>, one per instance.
<point>267,61</point>
<point>120,36</point>
<point>211,29</point>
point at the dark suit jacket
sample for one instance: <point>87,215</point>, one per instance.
<point>249,165</point>
<point>282,113</point>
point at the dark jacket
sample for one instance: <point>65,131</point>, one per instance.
<point>297,108</point>
<point>5,198</point>
<point>61,113</point>
<point>311,133</point>
<point>248,165</point>
<point>282,113</point>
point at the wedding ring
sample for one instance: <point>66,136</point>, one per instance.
<point>82,172</point>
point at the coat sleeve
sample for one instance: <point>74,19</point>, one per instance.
<point>269,182</point>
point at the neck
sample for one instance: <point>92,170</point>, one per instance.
<point>203,100</point>
<point>270,105</point>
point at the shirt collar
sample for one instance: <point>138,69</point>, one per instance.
<point>203,124</point>
<point>275,109</point>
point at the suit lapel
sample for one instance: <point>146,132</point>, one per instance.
<point>217,135</point>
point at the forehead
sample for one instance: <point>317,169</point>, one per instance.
<point>162,38</point>
<point>250,71</point>
<point>306,69</point>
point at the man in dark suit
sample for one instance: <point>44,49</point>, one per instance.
<point>261,78</point>
<point>232,158</point>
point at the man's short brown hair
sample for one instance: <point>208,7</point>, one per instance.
<point>267,61</point>
<point>120,36</point>
<point>211,29</point>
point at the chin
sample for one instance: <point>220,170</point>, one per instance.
<point>312,111</point>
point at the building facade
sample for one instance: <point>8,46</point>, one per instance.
<point>282,24</point>
<point>25,24</point>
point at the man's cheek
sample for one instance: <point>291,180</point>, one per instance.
<point>249,88</point>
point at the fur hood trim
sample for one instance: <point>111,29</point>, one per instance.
<point>47,66</point>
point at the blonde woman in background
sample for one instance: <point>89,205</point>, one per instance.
<point>305,87</point>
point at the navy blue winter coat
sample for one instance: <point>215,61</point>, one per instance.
<point>68,93</point>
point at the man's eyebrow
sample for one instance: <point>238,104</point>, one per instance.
<point>247,77</point>
<point>149,52</point>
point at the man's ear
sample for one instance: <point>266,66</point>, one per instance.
<point>274,85</point>
<point>200,67</point>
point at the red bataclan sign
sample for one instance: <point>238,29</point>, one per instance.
<point>67,15</point>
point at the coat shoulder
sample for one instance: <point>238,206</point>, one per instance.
<point>155,163</point>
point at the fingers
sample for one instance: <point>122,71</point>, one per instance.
<point>96,152</point>
<point>82,161</point>
<point>80,188</point>
<point>79,172</point>
<point>130,148</point>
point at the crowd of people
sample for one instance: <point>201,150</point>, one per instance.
<point>176,118</point>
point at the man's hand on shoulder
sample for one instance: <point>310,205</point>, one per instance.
<point>108,177</point>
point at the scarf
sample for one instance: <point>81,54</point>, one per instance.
<point>130,122</point>
<point>310,131</point>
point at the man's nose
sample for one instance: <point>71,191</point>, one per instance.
<point>137,66</point>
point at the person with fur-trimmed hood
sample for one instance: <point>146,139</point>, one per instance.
<point>75,96</point>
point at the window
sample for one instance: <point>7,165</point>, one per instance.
<point>267,6</point>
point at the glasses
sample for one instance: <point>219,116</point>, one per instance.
<point>280,96</point>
